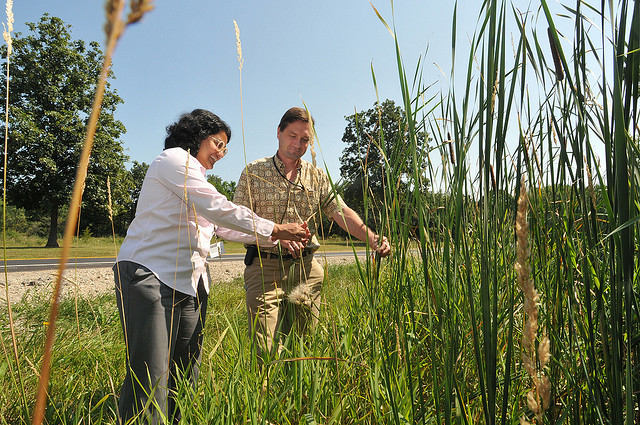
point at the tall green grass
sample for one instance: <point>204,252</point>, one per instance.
<point>515,120</point>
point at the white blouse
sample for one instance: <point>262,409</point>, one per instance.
<point>168,238</point>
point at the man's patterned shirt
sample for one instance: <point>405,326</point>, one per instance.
<point>264,188</point>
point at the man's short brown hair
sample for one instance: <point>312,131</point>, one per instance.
<point>295,114</point>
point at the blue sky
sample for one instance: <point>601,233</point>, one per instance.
<point>183,56</point>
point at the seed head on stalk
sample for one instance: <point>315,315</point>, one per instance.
<point>300,295</point>
<point>238,45</point>
<point>538,397</point>
<point>6,34</point>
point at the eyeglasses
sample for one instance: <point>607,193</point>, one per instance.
<point>221,145</point>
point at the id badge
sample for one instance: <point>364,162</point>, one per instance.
<point>216,250</point>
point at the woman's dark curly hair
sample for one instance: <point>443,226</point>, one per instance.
<point>192,128</point>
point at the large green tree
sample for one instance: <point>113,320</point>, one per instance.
<point>52,84</point>
<point>227,188</point>
<point>137,173</point>
<point>377,146</point>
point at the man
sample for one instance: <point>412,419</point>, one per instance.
<point>284,188</point>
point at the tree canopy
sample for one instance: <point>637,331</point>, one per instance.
<point>376,141</point>
<point>52,84</point>
<point>227,188</point>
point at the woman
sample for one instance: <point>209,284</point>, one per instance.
<point>161,274</point>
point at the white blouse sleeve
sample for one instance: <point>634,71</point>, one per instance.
<point>182,174</point>
<point>234,236</point>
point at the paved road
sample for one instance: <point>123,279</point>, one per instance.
<point>107,262</point>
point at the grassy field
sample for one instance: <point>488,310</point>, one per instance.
<point>89,363</point>
<point>31,247</point>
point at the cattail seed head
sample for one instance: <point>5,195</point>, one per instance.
<point>544,391</point>
<point>544,352</point>
<point>532,403</point>
<point>494,185</point>
<point>556,56</point>
<point>451,154</point>
<point>524,421</point>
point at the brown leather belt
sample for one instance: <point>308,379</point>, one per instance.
<point>253,251</point>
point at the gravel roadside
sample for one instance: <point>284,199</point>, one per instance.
<point>90,282</point>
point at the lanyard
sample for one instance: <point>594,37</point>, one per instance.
<point>290,183</point>
<point>298,185</point>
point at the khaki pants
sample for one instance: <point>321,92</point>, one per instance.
<point>280,295</point>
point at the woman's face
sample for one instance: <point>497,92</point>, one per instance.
<point>212,149</point>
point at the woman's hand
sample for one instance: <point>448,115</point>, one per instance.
<point>294,248</point>
<point>292,232</point>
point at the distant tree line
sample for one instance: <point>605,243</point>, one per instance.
<point>52,84</point>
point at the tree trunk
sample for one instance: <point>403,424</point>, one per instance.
<point>53,227</point>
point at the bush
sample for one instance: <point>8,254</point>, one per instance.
<point>20,224</point>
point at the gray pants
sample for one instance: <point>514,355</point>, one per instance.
<point>163,336</point>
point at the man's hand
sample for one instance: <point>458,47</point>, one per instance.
<point>292,232</point>
<point>381,246</point>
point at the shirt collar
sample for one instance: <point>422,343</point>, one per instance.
<point>280,163</point>
<point>195,161</point>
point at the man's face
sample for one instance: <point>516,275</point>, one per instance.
<point>294,140</point>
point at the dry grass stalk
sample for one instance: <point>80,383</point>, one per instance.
<point>6,34</point>
<point>109,200</point>
<point>114,26</point>
<point>195,219</point>
<point>244,145</point>
<point>186,176</point>
<point>314,133</point>
<point>496,85</point>
<point>538,397</point>
<point>114,29</point>
<point>398,348</point>
<point>591,190</point>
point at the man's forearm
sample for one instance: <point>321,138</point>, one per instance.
<point>351,222</point>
